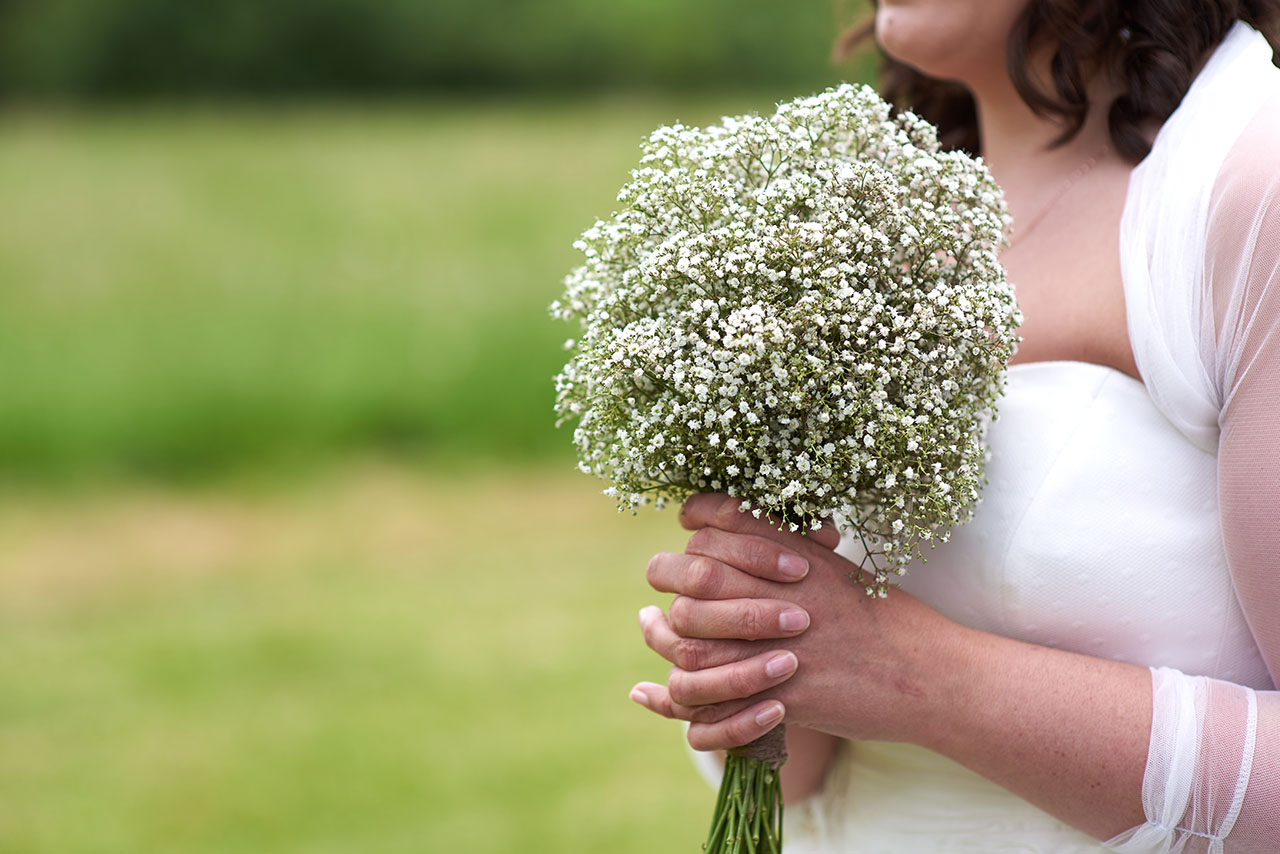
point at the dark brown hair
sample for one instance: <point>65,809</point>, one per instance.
<point>1153,48</point>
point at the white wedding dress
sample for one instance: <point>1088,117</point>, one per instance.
<point>1136,521</point>
<point>1099,534</point>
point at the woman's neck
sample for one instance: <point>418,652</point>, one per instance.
<point>1017,144</point>
<point>1018,147</point>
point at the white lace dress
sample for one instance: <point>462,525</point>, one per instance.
<point>1137,521</point>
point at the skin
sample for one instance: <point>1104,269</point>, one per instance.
<point>894,669</point>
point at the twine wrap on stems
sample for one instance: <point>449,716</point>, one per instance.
<point>748,812</point>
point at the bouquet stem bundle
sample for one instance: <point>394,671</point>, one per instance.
<point>748,812</point>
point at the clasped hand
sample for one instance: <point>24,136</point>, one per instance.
<point>768,624</point>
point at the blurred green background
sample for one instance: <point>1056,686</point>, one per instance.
<point>291,556</point>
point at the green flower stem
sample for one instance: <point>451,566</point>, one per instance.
<point>748,812</point>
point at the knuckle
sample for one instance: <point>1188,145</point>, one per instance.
<point>665,707</point>
<point>743,730</point>
<point>753,621</point>
<point>688,654</point>
<point>741,683</point>
<point>680,713</point>
<point>727,516</point>
<point>706,715</point>
<point>828,535</point>
<point>678,687</point>
<point>650,636</point>
<point>678,615</point>
<point>699,737</point>
<point>760,555</point>
<point>652,570</point>
<point>703,578</point>
<point>700,541</point>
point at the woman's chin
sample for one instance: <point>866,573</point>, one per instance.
<point>906,33</point>
<point>953,40</point>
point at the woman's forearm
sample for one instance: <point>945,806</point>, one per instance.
<point>1066,732</point>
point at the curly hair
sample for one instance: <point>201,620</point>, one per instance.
<point>1153,47</point>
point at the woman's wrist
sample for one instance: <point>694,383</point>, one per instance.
<point>949,681</point>
<point>968,688</point>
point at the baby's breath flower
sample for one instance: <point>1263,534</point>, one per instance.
<point>805,311</point>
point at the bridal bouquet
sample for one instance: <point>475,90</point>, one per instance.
<point>804,311</point>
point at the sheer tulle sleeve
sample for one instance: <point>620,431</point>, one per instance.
<point>1212,782</point>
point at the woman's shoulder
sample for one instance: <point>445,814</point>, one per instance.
<point>1238,103</point>
<point>1242,250</point>
<point>1229,111</point>
<point>1198,234</point>
<point>1248,181</point>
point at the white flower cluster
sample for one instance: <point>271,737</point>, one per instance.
<point>805,311</point>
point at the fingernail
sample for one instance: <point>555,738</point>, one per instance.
<point>646,613</point>
<point>781,665</point>
<point>769,715</point>
<point>640,697</point>
<point>793,620</point>
<point>793,566</point>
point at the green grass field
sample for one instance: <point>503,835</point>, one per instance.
<point>222,637</point>
<point>365,661</point>
<point>187,291</point>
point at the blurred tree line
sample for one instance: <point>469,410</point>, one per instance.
<point>89,48</point>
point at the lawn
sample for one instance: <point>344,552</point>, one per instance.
<point>219,631</point>
<point>364,661</point>
<point>188,290</point>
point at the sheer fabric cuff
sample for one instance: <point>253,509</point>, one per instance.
<point>1200,757</point>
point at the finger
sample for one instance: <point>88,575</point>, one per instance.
<point>751,554</point>
<point>739,729</point>
<point>716,510</point>
<point>688,653</point>
<point>736,619</point>
<point>716,712</point>
<point>731,681</point>
<point>704,577</point>
<point>657,699</point>
<point>825,535</point>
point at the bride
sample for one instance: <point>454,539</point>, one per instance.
<point>1091,664</point>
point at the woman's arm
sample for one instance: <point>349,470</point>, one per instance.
<point>1213,771</point>
<point>1066,732</point>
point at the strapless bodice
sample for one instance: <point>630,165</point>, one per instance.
<point>1098,532</point>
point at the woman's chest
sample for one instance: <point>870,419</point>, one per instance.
<point>1069,285</point>
<point>1074,318</point>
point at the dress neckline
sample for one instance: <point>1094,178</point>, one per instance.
<point>1071,364</point>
